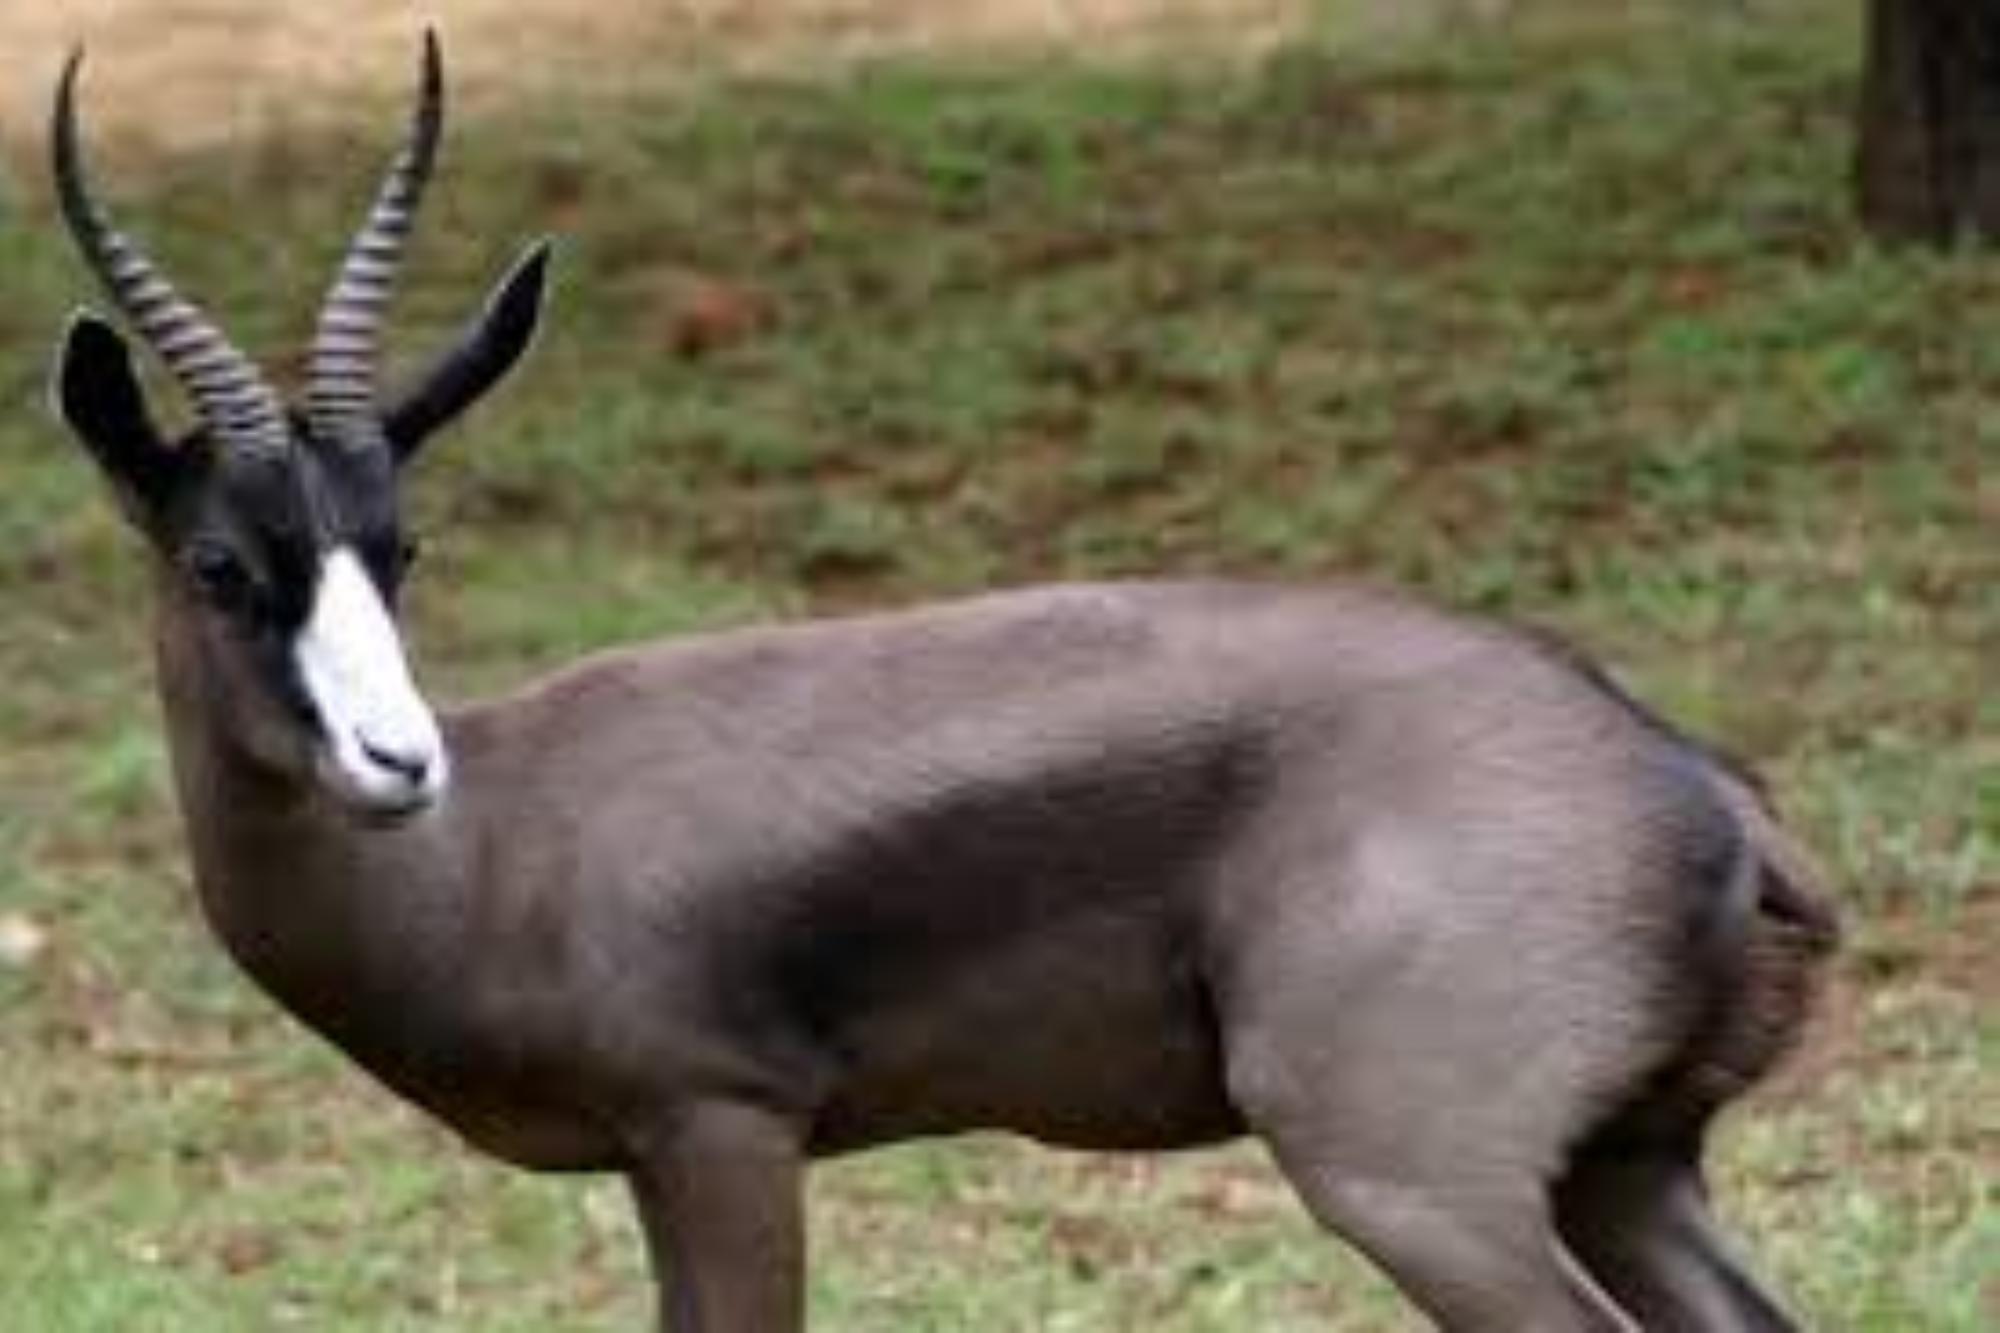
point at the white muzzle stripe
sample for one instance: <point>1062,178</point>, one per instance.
<point>382,750</point>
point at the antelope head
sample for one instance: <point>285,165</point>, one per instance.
<point>278,526</point>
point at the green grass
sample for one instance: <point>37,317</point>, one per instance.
<point>1570,324</point>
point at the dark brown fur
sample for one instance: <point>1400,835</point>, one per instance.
<point>1135,866</point>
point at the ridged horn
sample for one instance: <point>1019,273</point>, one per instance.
<point>346,352</point>
<point>232,398</point>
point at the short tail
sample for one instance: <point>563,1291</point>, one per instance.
<point>1793,930</point>
<point>1765,988</point>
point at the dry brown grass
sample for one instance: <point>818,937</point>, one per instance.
<point>183,71</point>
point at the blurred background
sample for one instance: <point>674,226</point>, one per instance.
<point>1556,309</point>
<point>180,72</point>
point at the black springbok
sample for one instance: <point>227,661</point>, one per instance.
<point>1473,942</point>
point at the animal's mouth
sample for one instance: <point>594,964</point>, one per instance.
<point>374,796</point>
<point>385,817</point>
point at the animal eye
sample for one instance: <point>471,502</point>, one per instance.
<point>408,553</point>
<point>220,576</point>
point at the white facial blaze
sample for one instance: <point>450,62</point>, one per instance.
<point>383,750</point>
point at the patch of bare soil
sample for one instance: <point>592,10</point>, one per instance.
<point>181,72</point>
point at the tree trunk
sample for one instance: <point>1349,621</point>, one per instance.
<point>1928,162</point>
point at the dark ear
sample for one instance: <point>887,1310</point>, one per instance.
<point>484,350</point>
<point>98,397</point>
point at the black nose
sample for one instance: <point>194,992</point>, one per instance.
<point>410,765</point>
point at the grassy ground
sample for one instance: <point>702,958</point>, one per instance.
<point>1569,324</point>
